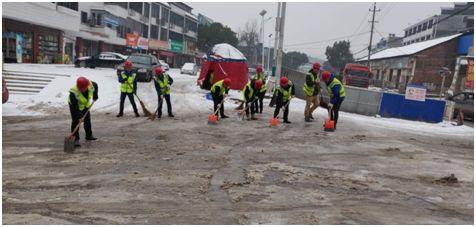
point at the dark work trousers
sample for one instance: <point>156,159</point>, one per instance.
<point>260,96</point>
<point>75,121</point>
<point>251,108</point>
<point>131,99</point>
<point>278,108</point>
<point>216,102</point>
<point>335,110</point>
<point>169,104</point>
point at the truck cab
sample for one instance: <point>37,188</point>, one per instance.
<point>357,75</point>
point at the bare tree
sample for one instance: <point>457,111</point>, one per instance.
<point>249,38</point>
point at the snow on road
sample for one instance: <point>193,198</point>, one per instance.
<point>187,98</point>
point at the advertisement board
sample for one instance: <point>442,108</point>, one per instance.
<point>416,93</point>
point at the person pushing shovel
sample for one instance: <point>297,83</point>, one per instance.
<point>219,90</point>
<point>336,93</point>
<point>128,80</point>
<point>283,96</point>
<point>79,101</point>
<point>250,92</point>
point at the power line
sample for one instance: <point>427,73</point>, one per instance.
<point>327,40</point>
<point>388,11</point>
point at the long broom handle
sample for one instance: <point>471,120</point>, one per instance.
<point>81,120</point>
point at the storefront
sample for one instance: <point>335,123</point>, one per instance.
<point>28,43</point>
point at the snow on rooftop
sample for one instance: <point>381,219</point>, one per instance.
<point>408,49</point>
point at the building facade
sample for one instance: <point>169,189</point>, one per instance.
<point>166,30</point>
<point>452,20</point>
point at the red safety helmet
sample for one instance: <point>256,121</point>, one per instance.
<point>258,84</point>
<point>326,75</point>
<point>128,65</point>
<point>283,81</point>
<point>227,82</point>
<point>259,69</point>
<point>316,66</point>
<point>158,70</point>
<point>82,83</point>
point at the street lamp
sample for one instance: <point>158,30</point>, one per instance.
<point>269,51</point>
<point>262,13</point>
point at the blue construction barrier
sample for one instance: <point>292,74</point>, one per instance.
<point>395,105</point>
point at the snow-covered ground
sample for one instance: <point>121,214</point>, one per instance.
<point>186,98</point>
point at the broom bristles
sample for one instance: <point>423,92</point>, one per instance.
<point>147,113</point>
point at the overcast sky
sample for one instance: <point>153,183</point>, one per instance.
<point>313,22</point>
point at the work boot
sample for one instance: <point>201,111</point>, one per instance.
<point>307,119</point>
<point>253,117</point>
<point>287,122</point>
<point>137,114</point>
<point>310,117</point>
<point>159,115</point>
<point>224,116</point>
<point>76,143</point>
<point>171,115</point>
<point>91,138</point>
<point>120,115</point>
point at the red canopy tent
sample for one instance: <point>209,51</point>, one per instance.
<point>226,62</point>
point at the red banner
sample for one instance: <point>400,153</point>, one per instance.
<point>132,39</point>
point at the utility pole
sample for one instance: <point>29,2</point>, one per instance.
<point>276,35</point>
<point>262,13</point>
<point>371,32</point>
<point>281,40</point>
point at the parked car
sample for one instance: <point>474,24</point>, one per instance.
<point>104,60</point>
<point>189,68</point>
<point>164,65</point>
<point>143,64</point>
<point>464,101</point>
<point>4,91</point>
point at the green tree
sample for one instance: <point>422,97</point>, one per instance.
<point>339,54</point>
<point>294,59</point>
<point>213,34</point>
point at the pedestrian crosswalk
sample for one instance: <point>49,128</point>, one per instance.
<point>28,83</point>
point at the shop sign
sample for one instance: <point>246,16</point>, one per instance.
<point>416,93</point>
<point>19,41</point>
<point>143,43</point>
<point>470,75</point>
<point>132,39</point>
<point>158,44</point>
<point>176,46</point>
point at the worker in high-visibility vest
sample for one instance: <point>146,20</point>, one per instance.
<point>336,94</point>
<point>162,84</point>
<point>311,90</point>
<point>258,105</point>
<point>79,101</point>
<point>218,91</point>
<point>284,93</point>
<point>128,80</point>
<point>249,94</point>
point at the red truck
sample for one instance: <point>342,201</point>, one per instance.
<point>357,75</point>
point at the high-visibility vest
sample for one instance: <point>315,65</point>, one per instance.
<point>83,102</point>
<point>218,85</point>
<point>309,90</point>
<point>127,85</point>
<point>251,94</point>
<point>164,84</point>
<point>286,92</point>
<point>333,83</point>
<point>260,76</point>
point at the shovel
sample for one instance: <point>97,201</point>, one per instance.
<point>242,113</point>
<point>328,123</point>
<point>69,140</point>
<point>274,121</point>
<point>213,118</point>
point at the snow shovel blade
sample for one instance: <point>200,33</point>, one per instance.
<point>274,122</point>
<point>69,144</point>
<point>212,119</point>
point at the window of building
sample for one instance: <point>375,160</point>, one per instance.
<point>69,5</point>
<point>99,19</point>
<point>430,23</point>
<point>428,37</point>
<point>163,34</point>
<point>165,16</point>
<point>406,33</point>
<point>414,30</point>
<point>84,17</point>
<point>155,10</point>
<point>154,32</point>
<point>136,6</point>
<point>175,36</point>
<point>176,19</point>
<point>191,26</point>
<point>425,26</point>
<point>145,31</point>
<point>146,9</point>
<point>419,28</point>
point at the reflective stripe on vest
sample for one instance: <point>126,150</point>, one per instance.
<point>286,92</point>
<point>248,85</point>
<point>333,83</point>
<point>83,102</point>
<point>127,85</point>
<point>260,76</point>
<point>309,90</point>
<point>163,84</point>
<point>220,86</point>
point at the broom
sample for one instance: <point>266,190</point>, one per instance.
<point>147,113</point>
<point>68,140</point>
<point>152,117</point>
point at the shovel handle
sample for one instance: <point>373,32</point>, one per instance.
<point>81,121</point>
<point>241,112</point>
<point>219,106</point>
